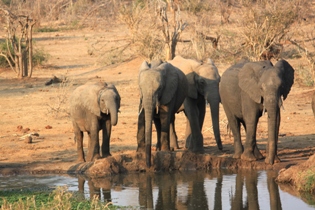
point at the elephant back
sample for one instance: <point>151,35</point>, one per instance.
<point>185,65</point>
<point>86,97</point>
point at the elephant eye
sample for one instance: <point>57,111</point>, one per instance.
<point>202,82</point>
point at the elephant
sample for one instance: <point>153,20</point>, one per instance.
<point>203,85</point>
<point>163,89</point>
<point>247,91</point>
<point>94,106</point>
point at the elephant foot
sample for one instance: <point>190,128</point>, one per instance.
<point>165,148</point>
<point>174,147</point>
<point>277,159</point>
<point>80,160</point>
<point>95,157</point>
<point>271,162</point>
<point>140,149</point>
<point>258,154</point>
<point>199,151</point>
<point>237,155</point>
<point>248,156</point>
<point>107,154</point>
<point>220,147</point>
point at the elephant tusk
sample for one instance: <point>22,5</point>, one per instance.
<point>107,111</point>
<point>157,109</point>
<point>281,103</point>
<point>140,110</point>
<point>264,109</point>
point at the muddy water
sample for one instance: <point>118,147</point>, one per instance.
<point>179,190</point>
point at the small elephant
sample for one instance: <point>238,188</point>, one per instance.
<point>203,85</point>
<point>247,90</point>
<point>163,89</point>
<point>94,106</point>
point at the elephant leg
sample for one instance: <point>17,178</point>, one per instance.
<point>202,111</point>
<point>251,180</point>
<point>173,135</point>
<point>106,138</point>
<point>277,159</point>
<point>78,135</point>
<point>188,134</point>
<point>141,132</point>
<point>235,124</point>
<point>250,144</point>
<point>93,146</point>
<point>195,139</point>
<point>165,128</point>
<point>157,123</point>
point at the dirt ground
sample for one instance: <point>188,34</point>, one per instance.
<point>29,107</point>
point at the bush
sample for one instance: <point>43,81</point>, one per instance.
<point>265,25</point>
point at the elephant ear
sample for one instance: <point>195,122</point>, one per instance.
<point>113,88</point>
<point>248,79</point>
<point>144,66</point>
<point>192,77</point>
<point>287,73</point>
<point>90,95</point>
<point>170,75</point>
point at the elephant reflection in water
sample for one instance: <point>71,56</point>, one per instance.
<point>168,197</point>
<point>145,191</point>
<point>95,190</point>
<point>251,179</point>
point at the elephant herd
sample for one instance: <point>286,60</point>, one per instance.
<point>246,90</point>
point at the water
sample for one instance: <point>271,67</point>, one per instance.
<point>177,190</point>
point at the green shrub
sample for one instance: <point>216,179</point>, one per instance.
<point>39,57</point>
<point>46,29</point>
<point>4,49</point>
<point>60,198</point>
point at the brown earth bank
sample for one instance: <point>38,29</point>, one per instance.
<point>28,107</point>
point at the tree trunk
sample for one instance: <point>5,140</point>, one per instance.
<point>30,49</point>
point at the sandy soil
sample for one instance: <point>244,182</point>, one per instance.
<point>28,106</point>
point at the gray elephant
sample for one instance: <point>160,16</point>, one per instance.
<point>203,80</point>
<point>247,90</point>
<point>163,89</point>
<point>94,106</point>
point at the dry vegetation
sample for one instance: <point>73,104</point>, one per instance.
<point>224,30</point>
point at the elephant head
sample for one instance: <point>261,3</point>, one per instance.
<point>103,99</point>
<point>203,80</point>
<point>109,102</point>
<point>267,85</point>
<point>158,85</point>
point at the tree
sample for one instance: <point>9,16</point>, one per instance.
<point>171,37</point>
<point>19,48</point>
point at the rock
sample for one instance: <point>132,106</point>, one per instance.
<point>28,139</point>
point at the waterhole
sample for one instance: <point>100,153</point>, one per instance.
<point>176,190</point>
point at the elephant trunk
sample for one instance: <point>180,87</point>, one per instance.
<point>113,113</point>
<point>148,106</point>
<point>214,102</point>
<point>273,112</point>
